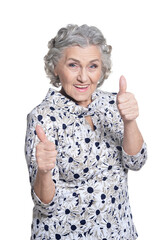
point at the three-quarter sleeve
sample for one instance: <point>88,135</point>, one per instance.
<point>34,118</point>
<point>135,162</point>
<point>49,208</point>
<point>132,162</point>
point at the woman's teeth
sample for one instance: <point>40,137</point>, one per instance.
<point>78,86</point>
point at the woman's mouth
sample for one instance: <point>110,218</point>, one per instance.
<point>81,88</point>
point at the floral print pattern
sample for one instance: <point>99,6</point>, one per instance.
<point>91,200</point>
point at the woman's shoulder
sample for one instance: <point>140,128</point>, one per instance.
<point>106,98</point>
<point>101,92</point>
<point>46,109</point>
<point>107,105</point>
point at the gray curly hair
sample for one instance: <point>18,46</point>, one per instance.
<point>74,35</point>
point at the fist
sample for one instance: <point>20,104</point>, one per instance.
<point>126,102</point>
<point>45,152</point>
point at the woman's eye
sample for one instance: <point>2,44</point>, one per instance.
<point>72,65</point>
<point>93,66</point>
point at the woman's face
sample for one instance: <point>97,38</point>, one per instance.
<point>79,70</point>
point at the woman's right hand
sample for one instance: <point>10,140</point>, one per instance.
<point>45,152</point>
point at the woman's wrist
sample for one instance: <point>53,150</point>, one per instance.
<point>132,140</point>
<point>43,176</point>
<point>44,186</point>
<point>130,124</point>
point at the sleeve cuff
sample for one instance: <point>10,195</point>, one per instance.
<point>135,162</point>
<point>46,209</point>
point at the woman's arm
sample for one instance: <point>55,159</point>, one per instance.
<point>44,186</point>
<point>128,108</point>
<point>132,139</point>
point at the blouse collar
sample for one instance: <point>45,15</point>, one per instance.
<point>69,105</point>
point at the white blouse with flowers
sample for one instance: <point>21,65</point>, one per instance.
<point>91,200</point>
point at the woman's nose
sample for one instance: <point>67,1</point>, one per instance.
<point>83,75</point>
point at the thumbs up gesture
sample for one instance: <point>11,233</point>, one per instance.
<point>45,152</point>
<point>126,102</point>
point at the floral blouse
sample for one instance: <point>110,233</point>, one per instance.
<point>91,201</point>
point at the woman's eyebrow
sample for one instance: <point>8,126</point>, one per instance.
<point>76,60</point>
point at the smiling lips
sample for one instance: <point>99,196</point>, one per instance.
<point>81,88</point>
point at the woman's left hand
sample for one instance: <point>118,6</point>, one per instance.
<point>126,103</point>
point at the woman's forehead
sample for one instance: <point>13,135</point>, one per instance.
<point>89,53</point>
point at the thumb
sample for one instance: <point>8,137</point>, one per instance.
<point>41,134</point>
<point>122,84</point>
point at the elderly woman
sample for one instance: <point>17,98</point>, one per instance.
<point>81,142</point>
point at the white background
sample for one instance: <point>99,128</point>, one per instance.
<point>132,28</point>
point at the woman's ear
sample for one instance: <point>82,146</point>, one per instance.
<point>55,72</point>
